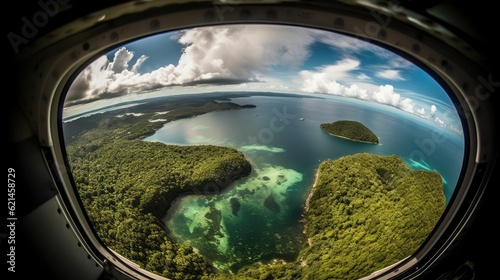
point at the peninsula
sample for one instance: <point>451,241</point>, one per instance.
<point>351,130</point>
<point>127,185</point>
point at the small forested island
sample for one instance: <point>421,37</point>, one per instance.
<point>351,130</point>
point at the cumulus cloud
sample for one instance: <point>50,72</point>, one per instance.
<point>245,56</point>
<point>324,80</point>
<point>121,60</point>
<point>220,54</point>
<point>228,55</point>
<point>434,117</point>
<point>421,112</point>
<point>91,81</point>
<point>386,95</point>
<point>240,51</point>
<point>433,110</point>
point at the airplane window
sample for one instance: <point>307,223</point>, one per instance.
<point>261,151</point>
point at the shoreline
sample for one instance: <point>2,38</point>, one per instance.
<point>313,188</point>
<point>306,205</point>
<point>174,204</point>
<point>354,140</point>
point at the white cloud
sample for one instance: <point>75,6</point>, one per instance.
<point>219,54</point>
<point>138,63</point>
<point>351,45</point>
<point>121,60</point>
<point>434,116</point>
<point>421,112</point>
<point>390,74</point>
<point>244,55</point>
<point>91,81</point>
<point>363,76</point>
<point>267,83</point>
<point>438,121</point>
<point>239,52</point>
<point>391,65</point>
<point>324,80</point>
<point>433,110</point>
<point>346,43</point>
<point>386,95</point>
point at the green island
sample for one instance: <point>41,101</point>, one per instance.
<point>351,130</point>
<point>364,211</point>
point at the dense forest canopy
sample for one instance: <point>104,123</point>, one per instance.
<point>351,130</point>
<point>126,184</point>
<point>364,212</point>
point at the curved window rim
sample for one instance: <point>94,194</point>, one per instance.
<point>473,153</point>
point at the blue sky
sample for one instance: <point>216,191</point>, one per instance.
<point>263,58</point>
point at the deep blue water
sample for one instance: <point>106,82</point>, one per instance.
<point>282,139</point>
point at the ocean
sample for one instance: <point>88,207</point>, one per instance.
<point>259,218</point>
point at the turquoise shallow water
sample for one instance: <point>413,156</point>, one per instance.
<point>258,219</point>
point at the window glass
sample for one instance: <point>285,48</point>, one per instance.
<point>262,151</point>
